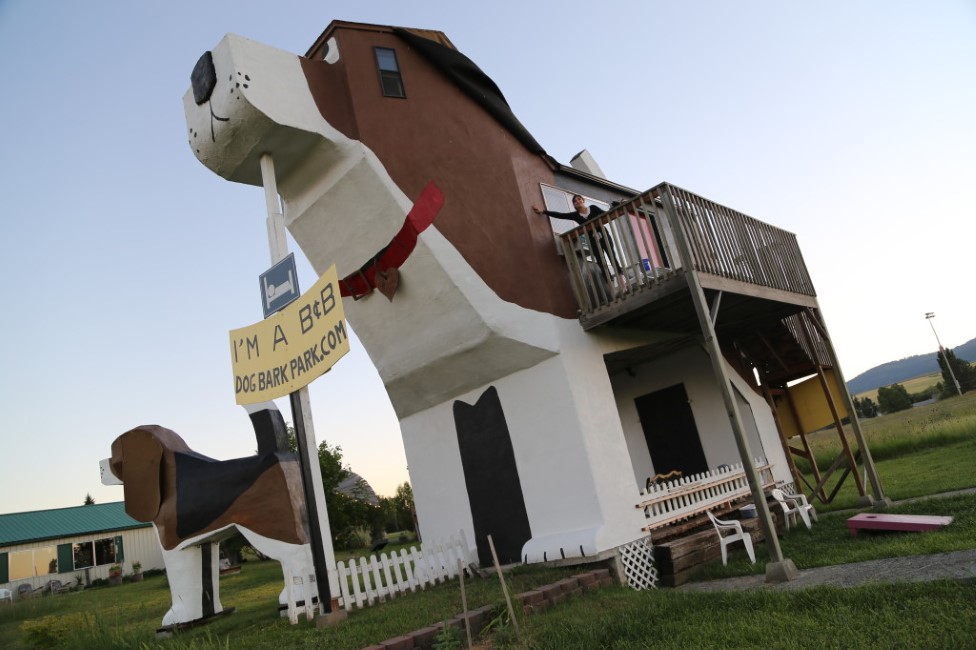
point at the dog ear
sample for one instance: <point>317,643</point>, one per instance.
<point>140,455</point>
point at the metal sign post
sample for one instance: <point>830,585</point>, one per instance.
<point>302,416</point>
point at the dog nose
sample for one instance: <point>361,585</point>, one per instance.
<point>203,78</point>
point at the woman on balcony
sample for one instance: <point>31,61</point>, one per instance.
<point>584,214</point>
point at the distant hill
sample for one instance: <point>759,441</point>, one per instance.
<point>898,371</point>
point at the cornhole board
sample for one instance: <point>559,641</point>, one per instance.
<point>880,521</point>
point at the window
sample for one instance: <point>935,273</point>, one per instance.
<point>45,561</point>
<point>391,83</point>
<point>83,555</point>
<point>21,565</point>
<point>103,551</point>
<point>33,562</point>
<point>559,200</point>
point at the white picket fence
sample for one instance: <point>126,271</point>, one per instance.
<point>365,582</point>
<point>685,497</point>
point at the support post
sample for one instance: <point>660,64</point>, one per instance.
<point>880,500</point>
<point>839,425</point>
<point>811,458</point>
<point>779,569</point>
<point>771,401</point>
<point>318,517</point>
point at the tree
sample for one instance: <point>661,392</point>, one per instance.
<point>330,462</point>
<point>348,514</point>
<point>89,501</point>
<point>403,506</point>
<point>963,370</point>
<point>865,408</point>
<point>893,398</point>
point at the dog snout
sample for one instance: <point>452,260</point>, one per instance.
<point>108,476</point>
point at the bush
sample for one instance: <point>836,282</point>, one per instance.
<point>53,630</point>
<point>894,398</point>
<point>923,395</point>
<point>353,538</point>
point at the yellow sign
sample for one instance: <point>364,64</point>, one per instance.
<point>287,351</point>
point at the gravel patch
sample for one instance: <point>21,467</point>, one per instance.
<point>957,565</point>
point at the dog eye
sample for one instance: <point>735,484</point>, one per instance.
<point>203,78</point>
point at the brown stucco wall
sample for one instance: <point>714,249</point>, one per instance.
<point>489,180</point>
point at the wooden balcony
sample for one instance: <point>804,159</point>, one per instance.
<point>627,270</point>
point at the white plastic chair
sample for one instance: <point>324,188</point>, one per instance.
<point>793,505</point>
<point>6,595</point>
<point>734,534</point>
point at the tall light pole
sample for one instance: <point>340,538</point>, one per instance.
<point>929,316</point>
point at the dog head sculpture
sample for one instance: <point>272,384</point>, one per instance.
<point>138,461</point>
<point>235,112</point>
<point>343,207</point>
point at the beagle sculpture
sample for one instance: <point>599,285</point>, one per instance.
<point>194,502</point>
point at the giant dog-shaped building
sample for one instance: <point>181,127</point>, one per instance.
<point>511,422</point>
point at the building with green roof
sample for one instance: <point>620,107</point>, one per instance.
<point>71,545</point>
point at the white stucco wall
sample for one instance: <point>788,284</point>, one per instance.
<point>569,449</point>
<point>691,367</point>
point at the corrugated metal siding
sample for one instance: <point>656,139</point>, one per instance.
<point>25,527</point>
<point>141,545</point>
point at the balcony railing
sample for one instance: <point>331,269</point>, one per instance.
<point>635,245</point>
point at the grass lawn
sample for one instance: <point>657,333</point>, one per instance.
<point>127,616</point>
<point>829,543</point>
<point>616,617</point>
<point>930,615</point>
<point>919,452</point>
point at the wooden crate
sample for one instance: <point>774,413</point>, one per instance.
<point>676,558</point>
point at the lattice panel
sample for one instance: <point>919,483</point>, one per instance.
<point>638,560</point>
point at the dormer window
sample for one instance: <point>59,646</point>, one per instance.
<point>391,83</point>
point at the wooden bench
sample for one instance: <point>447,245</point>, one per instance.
<point>881,521</point>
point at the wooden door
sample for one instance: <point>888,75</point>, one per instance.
<point>670,431</point>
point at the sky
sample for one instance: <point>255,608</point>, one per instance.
<point>851,123</point>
